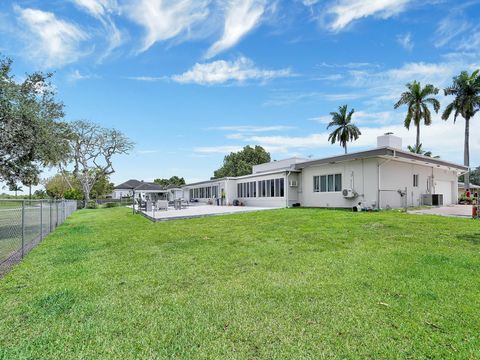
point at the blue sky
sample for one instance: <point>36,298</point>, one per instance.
<point>191,80</point>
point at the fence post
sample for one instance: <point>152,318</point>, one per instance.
<point>41,220</point>
<point>50,202</point>
<point>23,228</point>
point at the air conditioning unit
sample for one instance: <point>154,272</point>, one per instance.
<point>349,193</point>
<point>293,183</point>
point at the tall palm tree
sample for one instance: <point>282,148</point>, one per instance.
<point>466,102</point>
<point>345,130</point>
<point>417,99</point>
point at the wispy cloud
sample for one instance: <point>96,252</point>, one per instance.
<point>223,71</point>
<point>241,17</point>
<point>51,41</point>
<point>253,128</point>
<point>102,10</point>
<point>405,40</point>
<point>344,12</point>
<point>149,78</point>
<point>164,20</point>
<point>147,152</point>
<point>76,75</point>
<point>282,98</point>
<point>224,149</point>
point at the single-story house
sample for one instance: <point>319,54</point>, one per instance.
<point>384,177</point>
<point>141,190</point>
<point>146,191</point>
<point>461,187</point>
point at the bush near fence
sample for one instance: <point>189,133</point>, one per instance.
<point>24,223</point>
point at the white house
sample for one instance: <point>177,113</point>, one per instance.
<point>384,177</point>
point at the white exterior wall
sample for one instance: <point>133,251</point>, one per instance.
<point>396,175</point>
<point>121,193</point>
<point>222,184</point>
<point>360,175</point>
<point>363,176</point>
<point>263,201</point>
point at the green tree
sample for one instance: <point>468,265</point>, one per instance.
<point>417,99</point>
<point>466,102</point>
<point>32,134</point>
<point>92,149</point>
<point>240,163</point>
<point>174,180</point>
<point>345,130</point>
<point>16,188</point>
<point>474,176</point>
<point>101,188</point>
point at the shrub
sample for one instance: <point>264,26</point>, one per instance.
<point>111,204</point>
<point>92,204</point>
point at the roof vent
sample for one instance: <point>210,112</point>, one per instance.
<point>389,140</point>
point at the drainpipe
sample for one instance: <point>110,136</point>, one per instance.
<point>379,165</point>
<point>287,187</point>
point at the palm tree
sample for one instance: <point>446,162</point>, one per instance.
<point>345,131</point>
<point>417,99</point>
<point>418,150</point>
<point>466,102</point>
<point>15,188</point>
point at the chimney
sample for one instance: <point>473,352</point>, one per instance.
<point>389,140</point>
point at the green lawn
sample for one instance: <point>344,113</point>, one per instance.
<point>296,283</point>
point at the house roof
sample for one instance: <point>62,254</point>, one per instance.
<point>472,186</point>
<point>130,184</point>
<point>146,186</point>
<point>383,151</point>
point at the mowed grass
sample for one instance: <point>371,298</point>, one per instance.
<point>292,283</point>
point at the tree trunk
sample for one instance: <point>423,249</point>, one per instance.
<point>345,148</point>
<point>466,153</point>
<point>86,198</point>
<point>418,137</point>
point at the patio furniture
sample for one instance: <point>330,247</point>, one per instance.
<point>149,206</point>
<point>162,205</point>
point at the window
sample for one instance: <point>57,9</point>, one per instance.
<point>338,182</point>
<point>327,183</point>
<point>207,192</point>
<point>415,180</point>
<point>316,184</point>
<point>271,188</point>
<point>247,190</point>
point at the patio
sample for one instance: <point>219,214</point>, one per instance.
<point>462,211</point>
<point>195,211</point>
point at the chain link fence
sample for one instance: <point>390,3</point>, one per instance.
<point>24,223</point>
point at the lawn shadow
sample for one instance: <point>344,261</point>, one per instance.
<point>471,238</point>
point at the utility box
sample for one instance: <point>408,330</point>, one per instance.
<point>432,199</point>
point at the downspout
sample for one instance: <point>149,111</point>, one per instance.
<point>287,188</point>
<point>379,181</point>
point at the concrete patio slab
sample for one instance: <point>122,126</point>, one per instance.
<point>195,211</point>
<point>463,211</point>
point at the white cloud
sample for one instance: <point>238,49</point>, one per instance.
<point>345,12</point>
<point>253,128</point>
<point>101,10</point>
<point>76,75</point>
<point>149,78</point>
<point>52,41</point>
<point>223,71</point>
<point>97,8</point>
<point>241,17</point>
<point>165,19</point>
<point>282,98</point>
<point>406,41</point>
<point>225,149</point>
<point>442,138</point>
